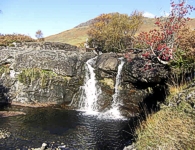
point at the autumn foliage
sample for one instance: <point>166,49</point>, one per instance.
<point>8,39</point>
<point>164,41</point>
<point>114,32</point>
<point>187,42</point>
<point>96,32</point>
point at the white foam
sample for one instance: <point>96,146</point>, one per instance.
<point>89,97</point>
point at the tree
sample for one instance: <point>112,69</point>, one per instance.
<point>163,42</point>
<point>184,56</point>
<point>114,32</point>
<point>187,42</point>
<point>39,35</point>
<point>96,36</point>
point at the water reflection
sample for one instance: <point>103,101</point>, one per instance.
<point>59,126</point>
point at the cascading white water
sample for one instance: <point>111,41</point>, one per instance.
<point>114,112</point>
<point>117,84</point>
<point>89,97</point>
<point>90,93</point>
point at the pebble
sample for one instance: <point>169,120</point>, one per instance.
<point>44,145</point>
<point>4,134</point>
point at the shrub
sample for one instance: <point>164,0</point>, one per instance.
<point>8,39</point>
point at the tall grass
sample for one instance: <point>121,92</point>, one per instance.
<point>173,127</point>
<point>168,129</point>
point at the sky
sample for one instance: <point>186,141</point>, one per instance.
<point>55,16</point>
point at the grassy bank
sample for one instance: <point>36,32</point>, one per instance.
<point>171,128</point>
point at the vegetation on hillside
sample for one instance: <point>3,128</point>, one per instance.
<point>74,36</point>
<point>114,32</point>
<point>9,39</point>
<point>171,42</point>
<point>78,35</point>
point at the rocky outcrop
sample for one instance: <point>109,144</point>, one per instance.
<point>52,73</point>
<point>184,99</point>
<point>142,81</point>
<point>40,46</point>
<point>39,75</point>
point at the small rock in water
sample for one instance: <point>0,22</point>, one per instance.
<point>130,147</point>
<point>62,147</point>
<point>43,146</point>
<point>4,134</point>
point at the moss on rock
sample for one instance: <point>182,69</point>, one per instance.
<point>108,82</point>
<point>27,76</point>
<point>4,69</point>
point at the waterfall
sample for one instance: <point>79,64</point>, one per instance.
<point>114,112</point>
<point>89,97</point>
<point>90,93</point>
<point>117,83</point>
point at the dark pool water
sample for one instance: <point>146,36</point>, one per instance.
<point>63,127</point>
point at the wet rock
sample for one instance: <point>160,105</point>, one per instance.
<point>10,113</point>
<point>107,64</point>
<point>43,147</point>
<point>62,147</point>
<point>130,147</point>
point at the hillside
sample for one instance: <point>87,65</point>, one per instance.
<point>78,34</point>
<point>73,36</point>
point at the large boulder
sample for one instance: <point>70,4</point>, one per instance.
<point>143,70</point>
<point>107,65</point>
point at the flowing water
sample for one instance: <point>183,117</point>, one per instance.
<point>90,93</point>
<point>116,99</point>
<point>63,127</point>
<point>89,97</point>
<point>114,112</point>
